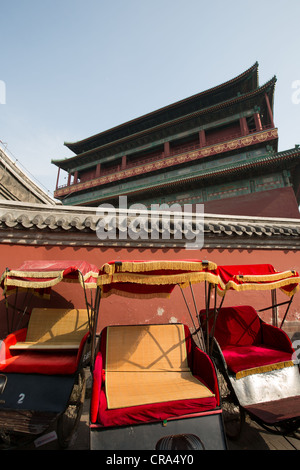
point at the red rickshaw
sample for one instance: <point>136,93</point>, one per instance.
<point>154,386</point>
<point>42,359</point>
<point>258,364</point>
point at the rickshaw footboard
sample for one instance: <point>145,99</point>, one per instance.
<point>276,411</point>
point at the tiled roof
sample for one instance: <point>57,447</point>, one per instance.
<point>40,224</point>
<point>71,162</point>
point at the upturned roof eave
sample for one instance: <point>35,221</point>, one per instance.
<point>243,76</point>
<point>65,163</point>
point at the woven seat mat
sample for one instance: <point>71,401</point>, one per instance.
<point>56,328</point>
<point>148,364</point>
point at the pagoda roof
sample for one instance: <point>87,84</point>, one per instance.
<point>72,162</point>
<point>243,83</point>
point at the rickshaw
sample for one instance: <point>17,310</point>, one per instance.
<point>153,385</point>
<point>43,356</point>
<point>259,371</point>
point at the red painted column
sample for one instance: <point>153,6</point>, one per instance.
<point>75,177</point>
<point>98,170</point>
<point>257,121</point>
<point>124,162</point>
<point>167,149</point>
<point>69,179</point>
<point>202,138</point>
<point>269,110</point>
<point>57,177</point>
<point>244,126</point>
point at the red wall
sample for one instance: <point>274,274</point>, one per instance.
<point>119,310</point>
<point>280,202</point>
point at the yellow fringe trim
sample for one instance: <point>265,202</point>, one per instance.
<point>129,266</point>
<point>269,286</point>
<point>261,369</point>
<point>44,284</point>
<point>182,279</point>
<point>32,284</point>
<point>134,295</point>
<point>266,277</point>
<point>34,274</point>
<point>44,274</point>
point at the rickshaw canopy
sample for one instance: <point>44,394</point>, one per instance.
<point>41,275</point>
<point>257,277</point>
<point>157,278</point>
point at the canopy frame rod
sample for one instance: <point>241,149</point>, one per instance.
<point>198,317</point>
<point>92,310</point>
<point>216,313</point>
<point>286,312</point>
<point>288,303</point>
<point>191,316</point>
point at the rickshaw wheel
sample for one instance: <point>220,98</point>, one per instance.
<point>69,420</point>
<point>233,414</point>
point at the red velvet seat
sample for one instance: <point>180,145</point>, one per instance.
<point>36,362</point>
<point>247,342</point>
<point>201,367</point>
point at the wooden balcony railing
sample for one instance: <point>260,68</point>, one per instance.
<point>159,156</point>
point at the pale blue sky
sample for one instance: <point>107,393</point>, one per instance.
<point>73,68</point>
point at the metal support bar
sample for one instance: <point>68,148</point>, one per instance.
<point>274,307</point>
<point>216,313</point>
<point>95,321</point>
<point>88,305</point>
<point>286,312</point>
<point>198,318</point>
<point>92,309</point>
<point>277,305</point>
<point>196,330</point>
<point>24,312</point>
<point>10,327</point>
<point>207,300</point>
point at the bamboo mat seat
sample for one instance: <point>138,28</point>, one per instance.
<point>54,329</point>
<point>148,364</point>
